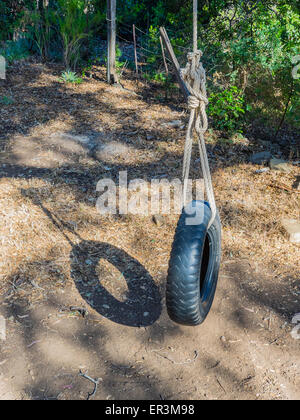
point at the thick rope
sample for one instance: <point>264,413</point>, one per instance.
<point>195,78</point>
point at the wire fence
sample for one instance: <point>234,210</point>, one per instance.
<point>150,57</point>
<point>149,50</point>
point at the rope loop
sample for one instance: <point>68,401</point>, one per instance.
<point>193,102</point>
<point>195,78</point>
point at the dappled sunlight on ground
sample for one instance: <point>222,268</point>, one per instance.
<point>59,255</point>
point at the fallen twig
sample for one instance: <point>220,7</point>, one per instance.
<point>284,187</point>
<point>35,285</point>
<point>16,287</point>
<point>34,342</point>
<point>220,384</point>
<point>215,365</point>
<point>178,363</point>
<point>95,382</point>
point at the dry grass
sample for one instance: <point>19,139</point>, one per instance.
<point>44,212</point>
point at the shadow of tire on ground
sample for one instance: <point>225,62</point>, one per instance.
<point>142,306</point>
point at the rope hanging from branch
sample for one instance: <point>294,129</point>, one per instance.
<point>195,79</point>
<point>192,80</point>
<point>186,270</point>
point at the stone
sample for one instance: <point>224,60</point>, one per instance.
<point>261,157</point>
<point>292,227</point>
<point>174,124</point>
<point>261,171</point>
<point>158,219</point>
<point>280,165</point>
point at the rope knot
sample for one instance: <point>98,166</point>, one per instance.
<point>194,76</point>
<point>193,102</point>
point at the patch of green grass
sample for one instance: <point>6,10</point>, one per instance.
<point>70,77</point>
<point>6,100</point>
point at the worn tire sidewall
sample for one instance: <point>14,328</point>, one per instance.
<point>196,247</point>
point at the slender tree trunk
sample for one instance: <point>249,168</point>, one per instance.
<point>285,110</point>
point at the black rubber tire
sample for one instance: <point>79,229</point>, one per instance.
<point>193,267</point>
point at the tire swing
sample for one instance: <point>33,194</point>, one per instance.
<point>196,252</point>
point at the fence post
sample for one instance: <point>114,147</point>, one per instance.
<point>174,60</point>
<point>164,56</point>
<point>111,42</point>
<point>135,52</point>
<point>2,67</point>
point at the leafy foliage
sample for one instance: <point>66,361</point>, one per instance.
<point>70,77</point>
<point>15,51</point>
<point>226,108</point>
<point>73,26</point>
<point>6,100</point>
<point>247,45</point>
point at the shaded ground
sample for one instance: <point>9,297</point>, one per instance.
<point>61,260</point>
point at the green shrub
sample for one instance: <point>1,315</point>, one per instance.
<point>6,100</point>
<point>70,77</point>
<point>72,27</point>
<point>40,29</point>
<point>15,50</point>
<point>75,20</point>
<point>226,108</point>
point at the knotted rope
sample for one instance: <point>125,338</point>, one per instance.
<point>195,78</point>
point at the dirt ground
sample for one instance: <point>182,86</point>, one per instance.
<point>81,292</point>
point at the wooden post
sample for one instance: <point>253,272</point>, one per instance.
<point>111,42</point>
<point>135,53</point>
<point>174,60</point>
<point>164,56</point>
